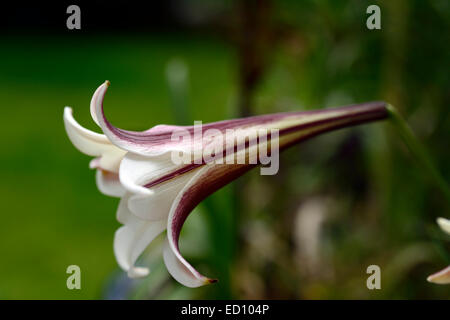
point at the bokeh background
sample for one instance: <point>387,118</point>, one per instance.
<point>340,202</point>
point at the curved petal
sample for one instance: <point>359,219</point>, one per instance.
<point>93,103</point>
<point>441,277</point>
<point>182,271</point>
<point>131,240</point>
<point>160,139</point>
<point>177,266</point>
<point>205,181</point>
<point>92,143</point>
<point>151,142</point>
<point>108,183</point>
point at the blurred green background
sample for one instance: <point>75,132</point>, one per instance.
<point>340,202</point>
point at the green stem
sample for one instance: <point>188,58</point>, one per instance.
<point>417,150</point>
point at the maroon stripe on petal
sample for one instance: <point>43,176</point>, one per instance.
<point>158,138</point>
<point>173,174</point>
<point>350,116</point>
<point>371,111</point>
<point>215,177</point>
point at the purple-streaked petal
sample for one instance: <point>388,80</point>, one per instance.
<point>129,140</point>
<point>177,266</point>
<point>317,123</point>
<point>93,144</point>
<point>208,179</point>
<point>158,140</point>
<point>441,277</point>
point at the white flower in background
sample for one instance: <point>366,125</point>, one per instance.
<point>443,276</point>
<point>158,194</point>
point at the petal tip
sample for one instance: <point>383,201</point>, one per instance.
<point>211,281</point>
<point>433,279</point>
<point>94,163</point>
<point>68,115</point>
<point>96,107</point>
<point>444,224</point>
<point>441,277</point>
<point>138,272</point>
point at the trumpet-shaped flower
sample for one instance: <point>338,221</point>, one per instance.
<point>443,276</point>
<point>158,191</point>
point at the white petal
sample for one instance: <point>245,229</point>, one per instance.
<point>157,205</point>
<point>88,142</point>
<point>93,105</point>
<point>131,240</point>
<point>123,213</point>
<point>92,143</point>
<point>109,184</point>
<point>444,224</point>
<point>151,203</point>
<point>136,170</point>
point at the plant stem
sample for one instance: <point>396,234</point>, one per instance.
<point>417,150</point>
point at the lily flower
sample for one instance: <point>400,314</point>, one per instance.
<point>158,193</point>
<point>443,276</point>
